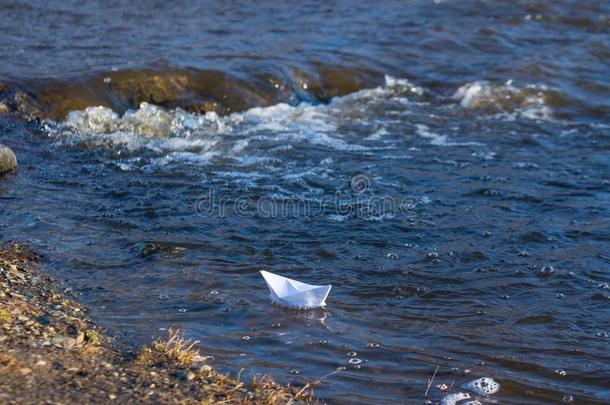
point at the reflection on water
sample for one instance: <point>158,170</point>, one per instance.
<point>462,218</point>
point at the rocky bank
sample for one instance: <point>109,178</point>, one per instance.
<point>51,352</point>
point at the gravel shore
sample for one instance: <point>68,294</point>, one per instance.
<point>50,352</point>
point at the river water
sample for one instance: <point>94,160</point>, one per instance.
<point>444,165</point>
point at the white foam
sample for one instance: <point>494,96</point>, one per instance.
<point>482,386</point>
<point>256,137</point>
<point>454,398</point>
<point>439,140</point>
<point>510,101</point>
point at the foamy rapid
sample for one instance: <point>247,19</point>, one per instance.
<point>359,122</point>
<point>177,131</point>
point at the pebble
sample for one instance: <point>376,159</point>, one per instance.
<point>63,341</point>
<point>8,160</point>
<point>25,371</point>
<point>182,375</point>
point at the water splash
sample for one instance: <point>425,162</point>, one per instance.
<point>531,101</point>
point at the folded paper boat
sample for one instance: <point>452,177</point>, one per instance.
<point>294,294</point>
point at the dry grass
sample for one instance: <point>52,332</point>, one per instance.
<point>178,349</point>
<point>430,382</point>
<point>178,353</point>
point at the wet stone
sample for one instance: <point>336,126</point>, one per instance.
<point>8,160</point>
<point>63,341</point>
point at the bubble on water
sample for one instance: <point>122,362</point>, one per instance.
<point>487,234</point>
<point>567,398</point>
<point>559,295</point>
<point>163,296</point>
<point>482,386</point>
<point>295,372</point>
<point>214,292</point>
<point>432,255</point>
<point>372,344</point>
<point>354,360</point>
<point>323,341</point>
<point>276,325</point>
<point>392,256</point>
<point>182,310</point>
<point>352,354</point>
<point>523,253</point>
<point>546,271</point>
<point>602,334</point>
<point>227,309</point>
<point>506,297</point>
<point>560,372</point>
<point>246,337</point>
<point>492,192</point>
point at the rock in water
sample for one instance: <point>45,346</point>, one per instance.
<point>8,160</point>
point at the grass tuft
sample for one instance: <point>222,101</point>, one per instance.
<point>177,348</point>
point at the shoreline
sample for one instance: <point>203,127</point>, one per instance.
<point>51,352</point>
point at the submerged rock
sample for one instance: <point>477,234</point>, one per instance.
<point>8,160</point>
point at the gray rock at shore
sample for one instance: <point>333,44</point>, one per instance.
<point>8,160</point>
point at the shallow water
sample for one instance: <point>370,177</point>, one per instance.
<point>455,193</point>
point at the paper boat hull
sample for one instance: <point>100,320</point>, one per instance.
<point>291,293</point>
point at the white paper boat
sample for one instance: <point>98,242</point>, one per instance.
<point>294,294</point>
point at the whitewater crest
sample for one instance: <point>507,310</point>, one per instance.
<point>190,133</point>
<point>531,101</point>
<point>149,121</point>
